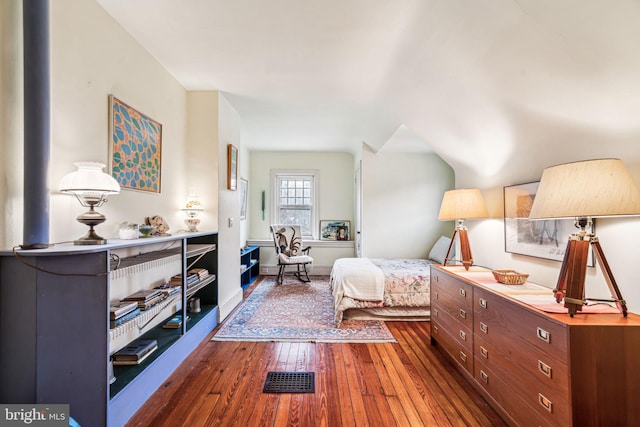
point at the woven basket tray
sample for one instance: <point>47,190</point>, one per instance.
<point>510,277</point>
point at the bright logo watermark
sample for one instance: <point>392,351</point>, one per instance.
<point>34,415</point>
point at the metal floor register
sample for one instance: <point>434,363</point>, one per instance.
<point>289,382</point>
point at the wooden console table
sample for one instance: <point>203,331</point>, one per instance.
<point>534,367</point>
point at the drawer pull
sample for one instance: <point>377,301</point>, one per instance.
<point>463,314</point>
<point>435,294</point>
<point>463,292</point>
<point>544,335</point>
<point>484,352</point>
<point>435,312</point>
<point>463,335</point>
<point>484,376</point>
<point>435,330</point>
<point>483,303</point>
<point>463,357</point>
<point>544,368</point>
<point>545,403</point>
<point>484,328</point>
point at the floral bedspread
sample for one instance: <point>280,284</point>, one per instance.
<point>406,284</point>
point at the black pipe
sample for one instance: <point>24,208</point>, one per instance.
<point>36,123</point>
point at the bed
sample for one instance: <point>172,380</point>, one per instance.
<point>388,289</point>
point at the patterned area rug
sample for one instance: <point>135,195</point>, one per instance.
<point>296,312</point>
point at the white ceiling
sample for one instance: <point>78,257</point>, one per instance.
<point>459,76</point>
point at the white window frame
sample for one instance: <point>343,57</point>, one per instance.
<point>276,174</point>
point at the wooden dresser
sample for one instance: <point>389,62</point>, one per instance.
<point>537,368</point>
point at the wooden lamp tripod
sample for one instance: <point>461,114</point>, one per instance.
<point>457,205</point>
<point>584,190</point>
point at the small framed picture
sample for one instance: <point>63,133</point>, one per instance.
<point>232,167</point>
<point>244,188</point>
<point>335,230</point>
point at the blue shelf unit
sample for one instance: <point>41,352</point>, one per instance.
<point>250,265</point>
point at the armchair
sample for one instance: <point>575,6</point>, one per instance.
<point>289,252</point>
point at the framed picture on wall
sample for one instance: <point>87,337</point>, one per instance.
<point>135,148</point>
<point>541,238</point>
<point>244,188</point>
<point>232,167</point>
<point>335,230</point>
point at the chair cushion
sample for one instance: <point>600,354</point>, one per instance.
<point>300,259</point>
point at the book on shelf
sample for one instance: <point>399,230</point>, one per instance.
<point>120,308</point>
<point>134,361</point>
<point>170,290</point>
<point>202,273</point>
<point>146,305</point>
<point>192,278</point>
<point>175,322</point>
<point>143,295</point>
<point>125,318</point>
<point>135,350</point>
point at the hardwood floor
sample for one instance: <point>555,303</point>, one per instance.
<point>408,383</point>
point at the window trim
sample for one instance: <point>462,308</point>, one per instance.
<point>275,195</point>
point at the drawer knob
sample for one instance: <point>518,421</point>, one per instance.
<point>544,368</point>
<point>435,312</point>
<point>483,303</point>
<point>484,376</point>
<point>463,314</point>
<point>463,357</point>
<point>484,328</point>
<point>463,335</point>
<point>484,352</point>
<point>545,403</point>
<point>543,335</point>
<point>463,292</point>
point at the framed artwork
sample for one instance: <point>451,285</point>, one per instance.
<point>244,187</point>
<point>541,238</point>
<point>335,230</point>
<point>135,148</point>
<point>232,167</point>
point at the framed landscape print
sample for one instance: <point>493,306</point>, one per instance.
<point>542,238</point>
<point>335,230</point>
<point>232,167</point>
<point>135,148</point>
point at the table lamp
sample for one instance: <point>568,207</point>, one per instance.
<point>458,205</point>
<point>91,186</point>
<point>192,208</point>
<point>584,190</point>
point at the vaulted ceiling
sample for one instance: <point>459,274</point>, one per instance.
<point>488,83</point>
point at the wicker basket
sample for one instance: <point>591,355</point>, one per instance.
<point>510,277</point>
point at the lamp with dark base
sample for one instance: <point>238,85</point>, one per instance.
<point>91,187</point>
<point>583,190</point>
<point>459,205</point>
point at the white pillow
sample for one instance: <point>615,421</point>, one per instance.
<point>439,250</point>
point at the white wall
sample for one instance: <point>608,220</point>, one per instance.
<point>335,192</point>
<point>402,193</point>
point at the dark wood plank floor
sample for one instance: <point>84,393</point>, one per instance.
<point>408,383</point>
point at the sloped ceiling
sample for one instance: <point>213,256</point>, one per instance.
<point>488,85</point>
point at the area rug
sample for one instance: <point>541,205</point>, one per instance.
<point>296,312</point>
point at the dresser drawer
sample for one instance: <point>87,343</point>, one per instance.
<point>503,322</point>
<point>455,289</point>
<point>545,394</point>
<point>460,310</point>
<point>461,354</point>
<point>460,331</point>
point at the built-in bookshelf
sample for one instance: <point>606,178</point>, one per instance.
<point>249,265</point>
<point>62,347</point>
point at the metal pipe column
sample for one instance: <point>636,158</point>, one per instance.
<point>36,123</point>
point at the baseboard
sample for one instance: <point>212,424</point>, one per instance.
<point>316,270</point>
<point>225,308</point>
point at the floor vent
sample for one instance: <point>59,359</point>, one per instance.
<point>289,382</point>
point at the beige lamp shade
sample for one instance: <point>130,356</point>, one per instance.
<point>464,203</point>
<point>591,188</point>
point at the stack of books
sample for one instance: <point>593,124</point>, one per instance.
<point>168,289</point>
<point>192,279</point>
<point>175,322</point>
<point>121,312</point>
<point>202,273</point>
<point>146,298</point>
<point>135,353</point>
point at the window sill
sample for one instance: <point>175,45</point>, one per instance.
<point>314,243</point>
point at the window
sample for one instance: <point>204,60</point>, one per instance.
<point>294,200</point>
